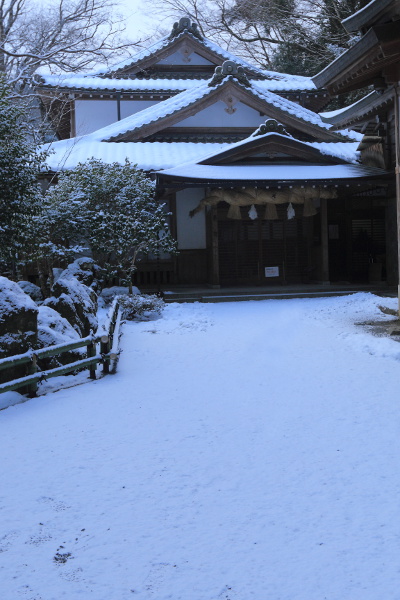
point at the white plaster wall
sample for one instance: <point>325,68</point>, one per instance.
<point>191,232</point>
<point>216,116</point>
<point>129,107</point>
<point>177,59</point>
<point>91,115</point>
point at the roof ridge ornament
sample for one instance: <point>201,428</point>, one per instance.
<point>184,24</point>
<point>229,68</point>
<point>271,126</point>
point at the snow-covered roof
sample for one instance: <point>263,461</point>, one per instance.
<point>174,104</point>
<point>344,150</point>
<point>281,173</point>
<point>73,81</point>
<point>294,81</point>
<point>98,80</point>
<point>93,83</point>
<point>362,17</point>
<point>149,156</point>
<point>360,109</point>
<point>156,156</point>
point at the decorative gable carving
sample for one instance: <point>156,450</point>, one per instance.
<point>184,25</point>
<point>271,126</point>
<point>229,69</point>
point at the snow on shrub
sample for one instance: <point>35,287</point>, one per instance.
<point>108,294</point>
<point>141,307</point>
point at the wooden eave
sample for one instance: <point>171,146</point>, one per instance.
<point>241,94</point>
<point>48,94</point>
<point>363,111</point>
<point>364,62</point>
<point>372,14</point>
<point>176,182</point>
<point>272,144</point>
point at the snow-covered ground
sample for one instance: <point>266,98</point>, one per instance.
<point>243,451</point>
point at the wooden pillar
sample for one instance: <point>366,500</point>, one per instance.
<point>324,242</point>
<point>72,116</point>
<point>397,171</point>
<point>214,248</point>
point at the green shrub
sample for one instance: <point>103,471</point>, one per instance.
<point>141,307</point>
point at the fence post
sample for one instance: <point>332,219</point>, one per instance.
<point>32,369</point>
<point>91,351</point>
<point>105,349</point>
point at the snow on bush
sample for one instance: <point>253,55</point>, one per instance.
<point>141,307</point>
<point>108,294</point>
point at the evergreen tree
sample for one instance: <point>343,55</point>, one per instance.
<point>20,196</point>
<point>112,208</point>
<point>315,35</point>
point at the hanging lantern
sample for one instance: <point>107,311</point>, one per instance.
<point>290,212</point>
<point>253,212</point>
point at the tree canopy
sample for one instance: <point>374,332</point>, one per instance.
<point>20,198</point>
<point>292,36</point>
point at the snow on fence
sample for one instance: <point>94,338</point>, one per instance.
<point>106,336</point>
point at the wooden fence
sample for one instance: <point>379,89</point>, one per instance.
<point>102,347</point>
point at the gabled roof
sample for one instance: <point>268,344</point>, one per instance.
<point>267,158</point>
<point>163,114</point>
<point>166,46</point>
<point>135,74</point>
<point>186,33</point>
<point>271,140</point>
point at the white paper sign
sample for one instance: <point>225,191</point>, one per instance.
<point>271,271</point>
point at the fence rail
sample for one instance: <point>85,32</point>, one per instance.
<point>106,337</point>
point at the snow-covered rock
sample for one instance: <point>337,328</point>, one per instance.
<point>83,269</point>
<point>32,290</point>
<point>76,302</point>
<point>55,329</point>
<point>18,319</point>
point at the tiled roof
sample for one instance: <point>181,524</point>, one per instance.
<point>66,154</point>
<point>187,98</point>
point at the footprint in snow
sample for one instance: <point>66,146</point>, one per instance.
<point>7,540</point>
<point>56,505</point>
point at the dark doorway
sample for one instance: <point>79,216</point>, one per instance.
<point>248,247</point>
